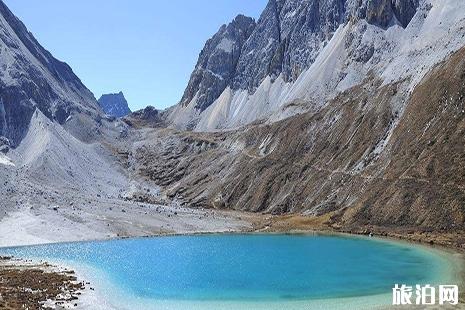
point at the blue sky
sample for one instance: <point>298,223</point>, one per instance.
<point>145,48</point>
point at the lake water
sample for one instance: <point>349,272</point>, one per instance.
<point>254,269</point>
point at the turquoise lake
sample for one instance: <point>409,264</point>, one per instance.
<point>255,268</point>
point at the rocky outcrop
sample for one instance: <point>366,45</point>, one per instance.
<point>217,63</point>
<point>30,78</point>
<point>114,104</point>
<point>148,117</point>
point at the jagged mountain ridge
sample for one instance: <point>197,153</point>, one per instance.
<point>291,38</point>
<point>61,155</point>
<point>289,34</point>
<point>30,78</point>
<point>114,104</point>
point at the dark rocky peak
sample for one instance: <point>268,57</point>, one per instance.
<point>305,27</point>
<point>114,104</point>
<point>217,62</point>
<point>259,50</point>
<point>242,23</point>
<point>148,113</point>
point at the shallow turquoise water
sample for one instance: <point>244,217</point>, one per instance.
<point>247,267</point>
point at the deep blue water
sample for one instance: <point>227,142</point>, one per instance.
<point>247,267</point>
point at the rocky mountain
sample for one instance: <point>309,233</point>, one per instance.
<point>52,134</point>
<point>217,62</point>
<point>367,135</point>
<point>290,34</point>
<point>114,104</point>
<point>31,78</point>
<point>301,53</point>
<point>358,164</point>
<point>287,39</point>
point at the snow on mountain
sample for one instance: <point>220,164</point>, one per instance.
<point>303,53</point>
<point>114,104</point>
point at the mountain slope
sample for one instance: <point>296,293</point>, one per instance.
<point>65,177</point>
<point>114,104</point>
<point>359,162</point>
<point>302,54</point>
<point>55,127</point>
<point>368,138</point>
<point>30,78</point>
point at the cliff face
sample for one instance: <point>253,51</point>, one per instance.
<point>285,42</point>
<point>30,78</point>
<point>287,39</point>
<point>290,34</point>
<point>114,104</point>
<point>217,63</point>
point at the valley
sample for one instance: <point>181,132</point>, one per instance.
<point>333,117</point>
